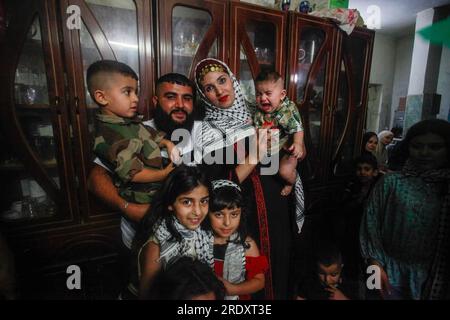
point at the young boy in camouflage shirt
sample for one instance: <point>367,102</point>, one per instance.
<point>122,142</point>
<point>276,111</point>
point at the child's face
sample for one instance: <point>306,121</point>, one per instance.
<point>428,151</point>
<point>192,207</point>
<point>120,97</point>
<point>225,222</point>
<point>365,171</point>
<point>218,88</point>
<point>371,145</point>
<point>330,276</point>
<point>269,95</point>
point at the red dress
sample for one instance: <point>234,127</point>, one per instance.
<point>253,266</point>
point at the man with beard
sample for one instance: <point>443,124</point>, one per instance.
<point>174,109</point>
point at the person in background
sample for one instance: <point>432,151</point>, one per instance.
<point>327,281</point>
<point>186,279</point>
<point>405,226</point>
<point>384,139</point>
<point>355,197</point>
<point>369,143</point>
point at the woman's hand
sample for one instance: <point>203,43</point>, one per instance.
<point>263,143</point>
<point>386,288</point>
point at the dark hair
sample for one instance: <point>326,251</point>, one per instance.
<point>183,279</point>
<point>109,67</point>
<point>436,126</point>
<point>268,75</point>
<point>181,180</point>
<point>365,139</point>
<point>176,78</point>
<point>228,197</point>
<point>367,158</point>
<point>328,254</point>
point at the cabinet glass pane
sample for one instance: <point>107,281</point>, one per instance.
<point>213,51</point>
<point>310,42</point>
<point>22,198</point>
<point>341,117</point>
<point>246,79</point>
<point>90,54</point>
<point>118,21</point>
<point>30,83</point>
<point>189,27</point>
<point>314,107</point>
<point>263,39</point>
<point>31,100</point>
<point>356,47</point>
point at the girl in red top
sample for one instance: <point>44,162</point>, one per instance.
<point>237,261</point>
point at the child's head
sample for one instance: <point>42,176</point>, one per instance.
<point>369,142</point>
<point>186,279</point>
<point>329,265</point>
<point>366,167</point>
<point>113,86</point>
<point>270,91</point>
<point>184,196</point>
<point>226,210</point>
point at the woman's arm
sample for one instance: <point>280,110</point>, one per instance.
<point>150,266</point>
<point>100,184</point>
<point>371,231</point>
<point>243,170</point>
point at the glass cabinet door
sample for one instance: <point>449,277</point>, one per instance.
<point>310,63</point>
<point>109,30</point>
<point>257,42</point>
<point>190,30</point>
<point>33,167</point>
<point>348,115</point>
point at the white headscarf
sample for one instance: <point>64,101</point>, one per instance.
<point>223,127</point>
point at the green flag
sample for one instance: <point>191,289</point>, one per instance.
<point>437,33</point>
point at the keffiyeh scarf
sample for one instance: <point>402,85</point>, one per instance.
<point>223,127</point>
<point>170,249</point>
<point>234,262</point>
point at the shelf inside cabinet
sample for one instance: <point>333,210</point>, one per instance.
<point>35,106</point>
<point>17,166</point>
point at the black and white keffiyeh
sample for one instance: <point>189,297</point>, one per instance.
<point>234,262</point>
<point>223,127</point>
<point>170,249</point>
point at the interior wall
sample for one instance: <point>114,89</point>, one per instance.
<point>443,87</point>
<point>382,73</point>
<point>403,59</point>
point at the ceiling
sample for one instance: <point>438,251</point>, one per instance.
<point>398,17</point>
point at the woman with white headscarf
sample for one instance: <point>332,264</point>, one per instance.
<point>227,123</point>
<point>384,139</point>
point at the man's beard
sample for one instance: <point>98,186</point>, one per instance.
<point>164,121</point>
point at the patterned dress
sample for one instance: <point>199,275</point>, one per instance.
<point>399,230</point>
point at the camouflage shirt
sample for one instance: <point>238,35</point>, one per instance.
<point>286,119</point>
<point>127,146</point>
